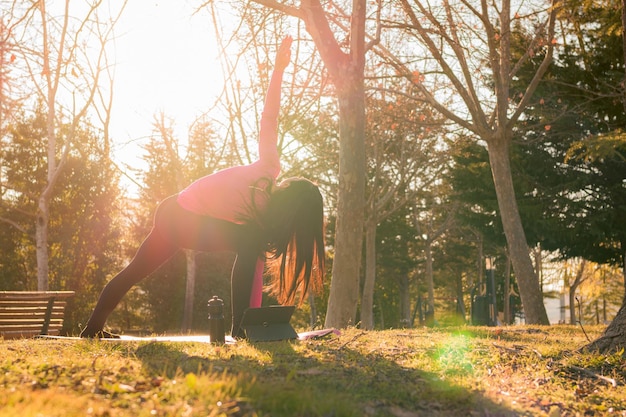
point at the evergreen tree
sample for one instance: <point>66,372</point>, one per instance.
<point>578,194</point>
<point>83,229</point>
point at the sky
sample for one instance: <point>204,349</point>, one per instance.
<point>166,61</point>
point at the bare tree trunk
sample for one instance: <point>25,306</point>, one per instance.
<point>430,235</point>
<point>344,287</point>
<point>189,290</point>
<point>347,73</point>
<point>614,337</point>
<point>59,50</point>
<point>461,312</point>
<point>572,292</point>
<point>507,291</point>
<point>367,299</point>
<point>405,301</point>
<point>430,281</point>
<point>41,227</point>
<point>41,242</point>
<point>572,305</point>
<point>538,265</point>
<point>348,77</point>
<point>530,291</point>
<point>382,318</point>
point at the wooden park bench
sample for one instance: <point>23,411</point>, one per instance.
<point>31,313</point>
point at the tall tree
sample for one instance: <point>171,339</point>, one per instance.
<point>479,69</point>
<point>574,142</point>
<point>600,151</point>
<point>65,76</point>
<point>397,268</point>
<point>431,223</point>
<point>345,63</point>
<point>571,155</point>
<point>404,159</point>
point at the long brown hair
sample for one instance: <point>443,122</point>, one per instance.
<point>293,220</point>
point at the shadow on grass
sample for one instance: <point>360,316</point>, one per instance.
<point>317,379</point>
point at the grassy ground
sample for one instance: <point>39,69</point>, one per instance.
<point>464,371</point>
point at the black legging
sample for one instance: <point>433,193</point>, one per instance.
<point>176,228</point>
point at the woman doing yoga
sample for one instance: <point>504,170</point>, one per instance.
<point>239,209</point>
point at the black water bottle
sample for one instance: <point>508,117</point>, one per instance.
<point>216,320</point>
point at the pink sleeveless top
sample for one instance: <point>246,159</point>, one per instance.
<point>227,194</point>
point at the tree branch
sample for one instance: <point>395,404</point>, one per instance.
<point>376,39</point>
<point>283,8</point>
<point>473,106</point>
<point>547,60</point>
<point>15,225</point>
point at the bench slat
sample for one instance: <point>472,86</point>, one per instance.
<point>29,326</point>
<point>29,309</point>
<point>17,309</point>
<point>29,301</point>
<point>34,295</point>
<point>6,321</point>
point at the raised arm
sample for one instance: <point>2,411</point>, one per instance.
<point>269,119</point>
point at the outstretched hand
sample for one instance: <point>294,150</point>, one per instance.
<point>283,55</point>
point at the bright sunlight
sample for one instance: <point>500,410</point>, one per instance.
<point>166,62</point>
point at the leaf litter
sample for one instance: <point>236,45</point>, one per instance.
<point>460,371</point>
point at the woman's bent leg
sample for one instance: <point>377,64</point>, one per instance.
<point>174,228</point>
<point>153,252</point>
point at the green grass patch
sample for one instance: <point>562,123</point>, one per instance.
<point>459,371</point>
